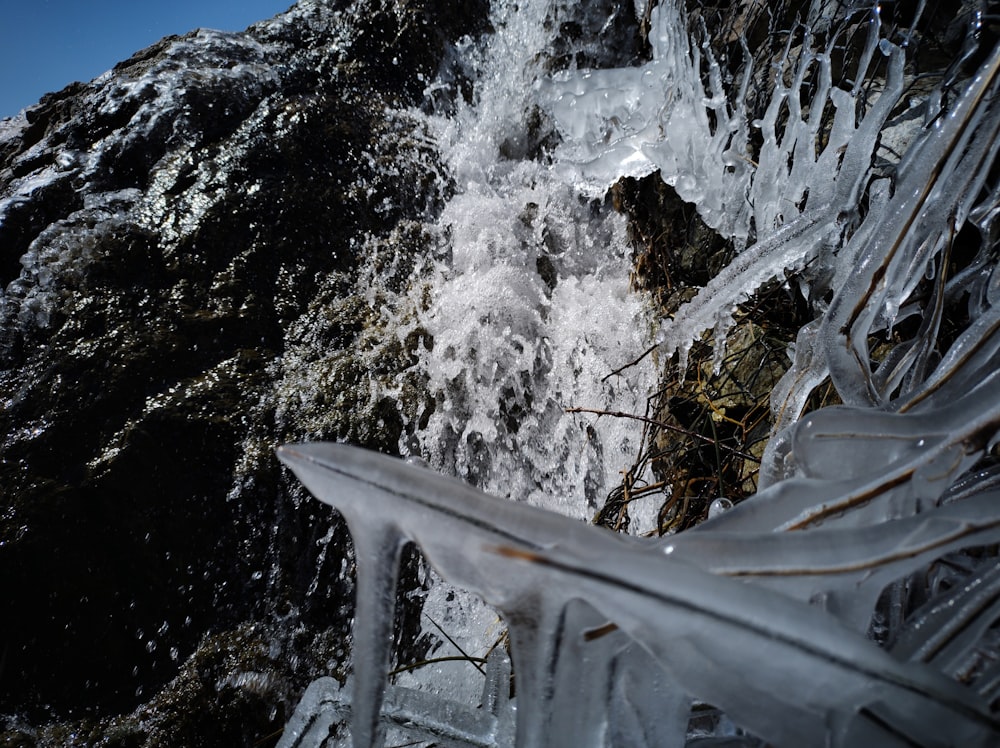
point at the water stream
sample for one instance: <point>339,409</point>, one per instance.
<point>530,313</point>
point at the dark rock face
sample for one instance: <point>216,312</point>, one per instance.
<point>169,233</point>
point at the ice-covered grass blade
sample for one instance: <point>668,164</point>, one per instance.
<point>710,612</point>
<point>785,670</point>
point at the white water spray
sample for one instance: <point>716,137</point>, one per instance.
<point>530,312</point>
<point>530,308</point>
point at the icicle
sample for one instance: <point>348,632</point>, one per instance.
<point>318,711</point>
<point>808,672</point>
<point>615,122</point>
<point>691,620</point>
<point>377,548</point>
<point>324,705</point>
<point>793,242</point>
<point>939,177</point>
<point>789,396</point>
<point>786,171</point>
<point>449,521</point>
<point>969,359</point>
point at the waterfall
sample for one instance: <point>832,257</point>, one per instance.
<point>530,313</point>
<point>530,310</point>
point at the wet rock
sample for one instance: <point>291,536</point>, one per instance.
<point>177,237</point>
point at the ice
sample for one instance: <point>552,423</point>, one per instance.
<point>947,631</point>
<point>318,711</point>
<point>846,569</point>
<point>150,94</point>
<point>386,502</point>
<point>797,197</point>
<point>783,670</point>
<point>940,176</point>
<point>616,121</point>
<point>852,600</point>
<point>324,705</point>
<point>813,678</point>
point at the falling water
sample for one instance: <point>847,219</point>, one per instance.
<point>531,310</point>
<point>530,314</point>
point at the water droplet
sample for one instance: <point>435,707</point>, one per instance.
<point>719,506</point>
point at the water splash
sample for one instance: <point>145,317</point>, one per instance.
<point>530,306</point>
<point>529,312</point>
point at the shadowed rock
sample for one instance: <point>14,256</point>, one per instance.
<point>162,230</point>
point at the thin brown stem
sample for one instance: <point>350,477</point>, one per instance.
<point>664,425</point>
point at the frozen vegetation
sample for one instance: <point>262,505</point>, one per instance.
<point>854,600</point>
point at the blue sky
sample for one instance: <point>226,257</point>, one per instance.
<point>47,44</point>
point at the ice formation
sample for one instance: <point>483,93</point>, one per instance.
<point>725,615</point>
<point>796,200</point>
<point>854,599</point>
